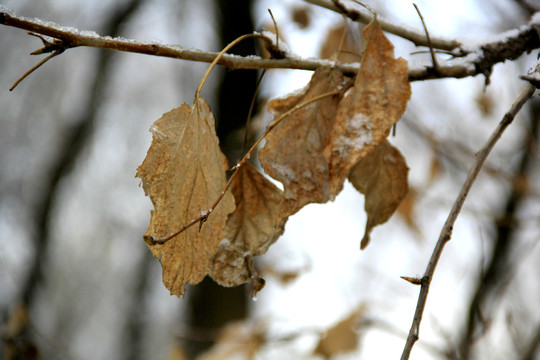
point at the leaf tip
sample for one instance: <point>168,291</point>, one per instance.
<point>257,284</point>
<point>365,241</point>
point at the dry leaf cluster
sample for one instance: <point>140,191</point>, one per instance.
<point>331,130</point>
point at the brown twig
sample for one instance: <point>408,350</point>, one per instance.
<point>479,60</point>
<point>250,112</point>
<point>415,36</point>
<point>275,27</point>
<point>430,45</point>
<point>446,232</point>
<point>55,53</point>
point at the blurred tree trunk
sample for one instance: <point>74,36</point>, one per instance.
<point>210,306</point>
<point>20,345</point>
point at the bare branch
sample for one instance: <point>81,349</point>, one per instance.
<point>446,232</point>
<point>415,36</point>
<point>431,51</point>
<point>469,61</point>
<point>35,67</point>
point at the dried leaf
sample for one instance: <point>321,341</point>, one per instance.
<point>370,109</point>
<point>293,150</point>
<point>183,174</point>
<point>342,337</point>
<point>301,15</point>
<point>382,178</point>
<point>256,224</point>
<point>435,168</point>
<point>351,46</point>
<point>407,210</point>
<point>177,352</point>
<point>238,340</point>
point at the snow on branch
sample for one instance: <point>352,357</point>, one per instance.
<point>468,57</point>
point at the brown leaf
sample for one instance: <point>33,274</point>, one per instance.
<point>370,109</point>
<point>350,49</point>
<point>293,150</point>
<point>301,15</point>
<point>177,352</point>
<point>382,178</point>
<point>238,340</point>
<point>256,224</point>
<point>407,210</point>
<point>342,337</point>
<point>184,173</point>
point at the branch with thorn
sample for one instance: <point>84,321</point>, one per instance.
<point>446,232</point>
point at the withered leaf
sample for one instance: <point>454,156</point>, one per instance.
<point>351,47</point>
<point>257,222</point>
<point>342,337</point>
<point>293,150</point>
<point>238,340</point>
<point>370,109</point>
<point>183,174</point>
<point>301,15</point>
<point>382,178</point>
<point>407,210</point>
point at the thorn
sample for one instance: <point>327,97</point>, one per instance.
<point>412,280</point>
<point>431,51</point>
<point>202,221</point>
<point>533,79</point>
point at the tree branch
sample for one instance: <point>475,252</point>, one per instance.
<point>413,35</point>
<point>498,273</point>
<point>446,232</point>
<point>467,61</point>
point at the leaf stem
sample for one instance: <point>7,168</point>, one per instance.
<point>431,51</point>
<point>219,56</point>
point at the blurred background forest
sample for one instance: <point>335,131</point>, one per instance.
<point>72,214</point>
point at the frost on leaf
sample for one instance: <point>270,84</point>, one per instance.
<point>256,224</point>
<point>370,109</point>
<point>183,174</point>
<point>293,150</point>
<point>382,178</point>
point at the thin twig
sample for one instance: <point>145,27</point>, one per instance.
<point>275,27</point>
<point>250,112</point>
<point>57,52</point>
<point>205,214</point>
<point>431,51</point>
<point>479,60</point>
<point>446,232</point>
<point>415,36</point>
